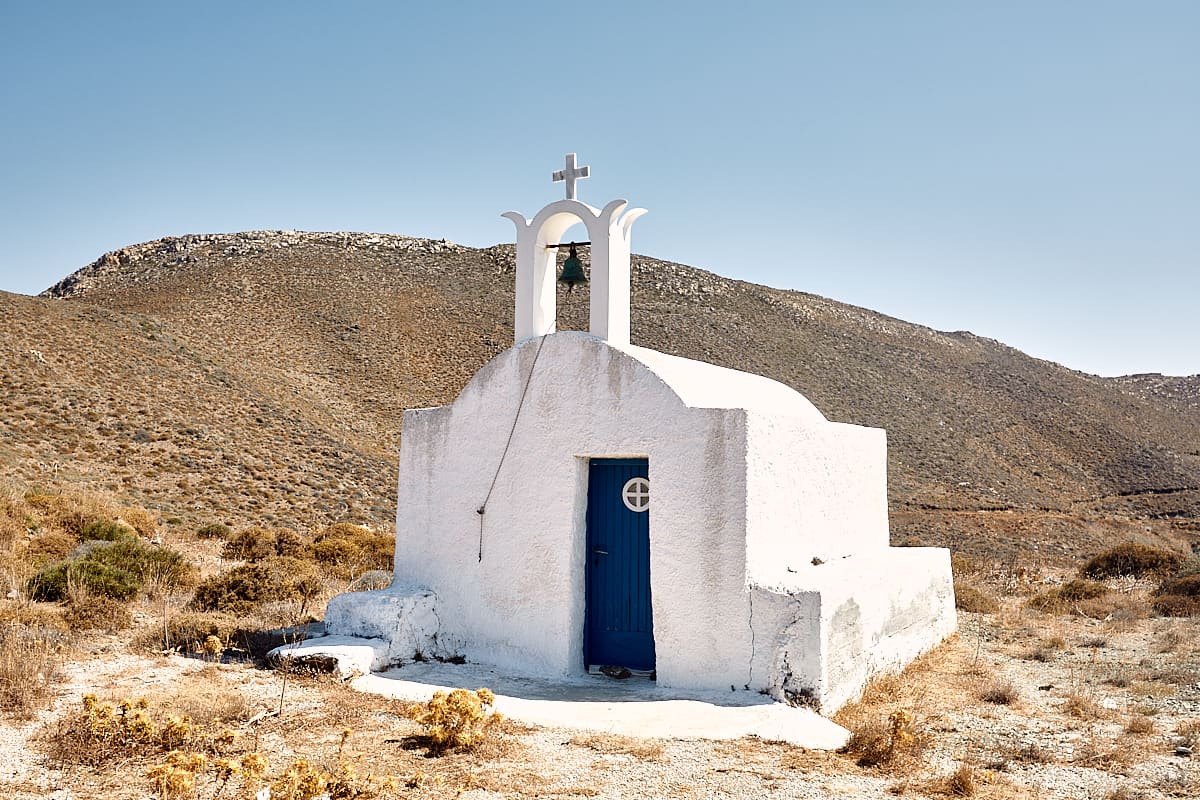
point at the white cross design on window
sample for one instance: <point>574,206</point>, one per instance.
<point>636,494</point>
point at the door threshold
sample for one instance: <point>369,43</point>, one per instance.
<point>619,672</point>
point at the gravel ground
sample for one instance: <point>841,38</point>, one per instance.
<point>1074,684</point>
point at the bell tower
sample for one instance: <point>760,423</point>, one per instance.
<point>537,240</point>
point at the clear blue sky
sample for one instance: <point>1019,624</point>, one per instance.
<point>1028,171</point>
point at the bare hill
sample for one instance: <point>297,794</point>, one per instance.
<point>264,374</point>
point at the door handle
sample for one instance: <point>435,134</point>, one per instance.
<point>598,551</point>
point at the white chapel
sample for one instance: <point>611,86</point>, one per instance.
<point>586,503</point>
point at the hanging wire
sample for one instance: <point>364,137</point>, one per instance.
<point>520,404</point>
<point>753,645</point>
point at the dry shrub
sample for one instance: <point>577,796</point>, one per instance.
<point>347,550</point>
<point>106,530</point>
<point>1125,793</point>
<point>50,545</point>
<point>968,598</point>
<point>1134,559</point>
<point>1030,753</point>
<point>1070,596</point>
<point>15,517</point>
<point>1188,731</point>
<point>1177,674</point>
<point>205,698</point>
<point>1189,567</point>
<point>70,512</point>
<point>1000,692</point>
<point>1179,597</point>
<point>180,775</point>
<point>1120,676</point>
<point>1121,612</point>
<point>139,519</point>
<point>257,544</point>
<point>891,743</point>
<point>305,781</point>
<point>243,589</point>
<point>1046,649</point>
<point>460,720</point>
<point>1082,589</point>
<point>1173,605</point>
<point>960,783</point>
<point>1104,755</point>
<point>1170,641</point>
<point>30,658</point>
<point>195,756</point>
<point>1082,706</point>
<point>187,632</point>
<point>1139,724</point>
<point>371,580</point>
<point>962,564</point>
<point>641,749</point>
<point>1149,688</point>
<point>214,530</point>
<point>103,731</point>
<point>89,612</point>
<point>1040,653</point>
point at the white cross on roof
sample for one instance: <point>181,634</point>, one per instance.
<point>570,174</point>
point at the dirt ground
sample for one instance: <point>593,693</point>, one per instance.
<point>1019,704</point>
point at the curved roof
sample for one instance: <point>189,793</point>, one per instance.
<point>703,385</point>
<point>697,384</point>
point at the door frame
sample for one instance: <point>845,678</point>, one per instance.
<point>623,460</point>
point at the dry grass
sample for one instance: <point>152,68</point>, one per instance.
<point>84,611</point>
<point>1179,597</point>
<point>126,729</point>
<point>1106,755</point>
<point>1173,640</point>
<point>1082,705</point>
<point>246,588</point>
<point>968,598</point>
<point>1139,724</point>
<point>894,743</point>
<point>641,749</point>
<point>30,659</point>
<point>256,544</point>
<point>1068,597</point>
<point>1134,559</point>
<point>1189,732</point>
<point>960,783</point>
<point>1029,753</point>
<point>457,720</point>
<point>1000,692</point>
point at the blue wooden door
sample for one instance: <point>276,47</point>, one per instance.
<point>619,630</point>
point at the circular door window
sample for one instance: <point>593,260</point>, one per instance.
<point>636,494</point>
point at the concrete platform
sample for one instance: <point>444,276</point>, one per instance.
<point>631,707</point>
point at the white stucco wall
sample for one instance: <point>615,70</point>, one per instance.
<point>835,625</point>
<point>748,483</point>
<point>812,491</point>
<point>522,606</point>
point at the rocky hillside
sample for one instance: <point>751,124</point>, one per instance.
<point>1181,392</point>
<point>265,373</point>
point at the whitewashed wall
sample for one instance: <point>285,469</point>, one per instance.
<point>813,491</point>
<point>748,483</point>
<point>522,606</point>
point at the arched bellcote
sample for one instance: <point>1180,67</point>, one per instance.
<point>609,232</point>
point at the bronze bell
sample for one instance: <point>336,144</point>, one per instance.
<point>572,271</point>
